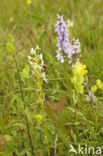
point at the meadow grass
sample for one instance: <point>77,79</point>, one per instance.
<point>35,25</point>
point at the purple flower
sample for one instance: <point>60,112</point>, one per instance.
<point>64,45</point>
<point>76,46</point>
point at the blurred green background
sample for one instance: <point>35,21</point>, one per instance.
<point>35,24</point>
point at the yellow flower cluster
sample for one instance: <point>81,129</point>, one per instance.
<point>83,69</point>
<point>79,71</point>
<point>79,68</point>
<point>28,2</point>
<point>98,85</point>
<point>39,118</point>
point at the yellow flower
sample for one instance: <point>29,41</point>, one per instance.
<point>99,84</point>
<point>80,68</point>
<point>39,118</point>
<point>83,69</point>
<point>94,88</point>
<point>28,2</point>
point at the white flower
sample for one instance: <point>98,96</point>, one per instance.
<point>91,97</point>
<point>78,60</point>
<point>36,66</point>
<point>44,77</point>
<point>37,48</point>
<point>32,51</point>
<point>36,62</point>
<point>70,61</point>
<point>29,58</point>
<point>31,63</point>
<point>60,57</point>
<point>70,23</point>
<point>76,46</point>
<point>41,56</point>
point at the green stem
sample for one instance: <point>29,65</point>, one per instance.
<point>45,126</point>
<point>40,96</point>
<point>22,97</point>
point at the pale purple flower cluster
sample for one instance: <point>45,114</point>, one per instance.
<point>64,45</point>
<point>76,46</point>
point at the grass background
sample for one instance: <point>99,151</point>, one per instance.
<point>35,24</point>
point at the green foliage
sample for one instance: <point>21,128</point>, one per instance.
<point>25,127</point>
<point>10,47</point>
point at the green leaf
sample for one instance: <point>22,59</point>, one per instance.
<point>71,109</point>
<point>10,47</point>
<point>28,115</point>
<point>80,114</point>
<point>11,38</point>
